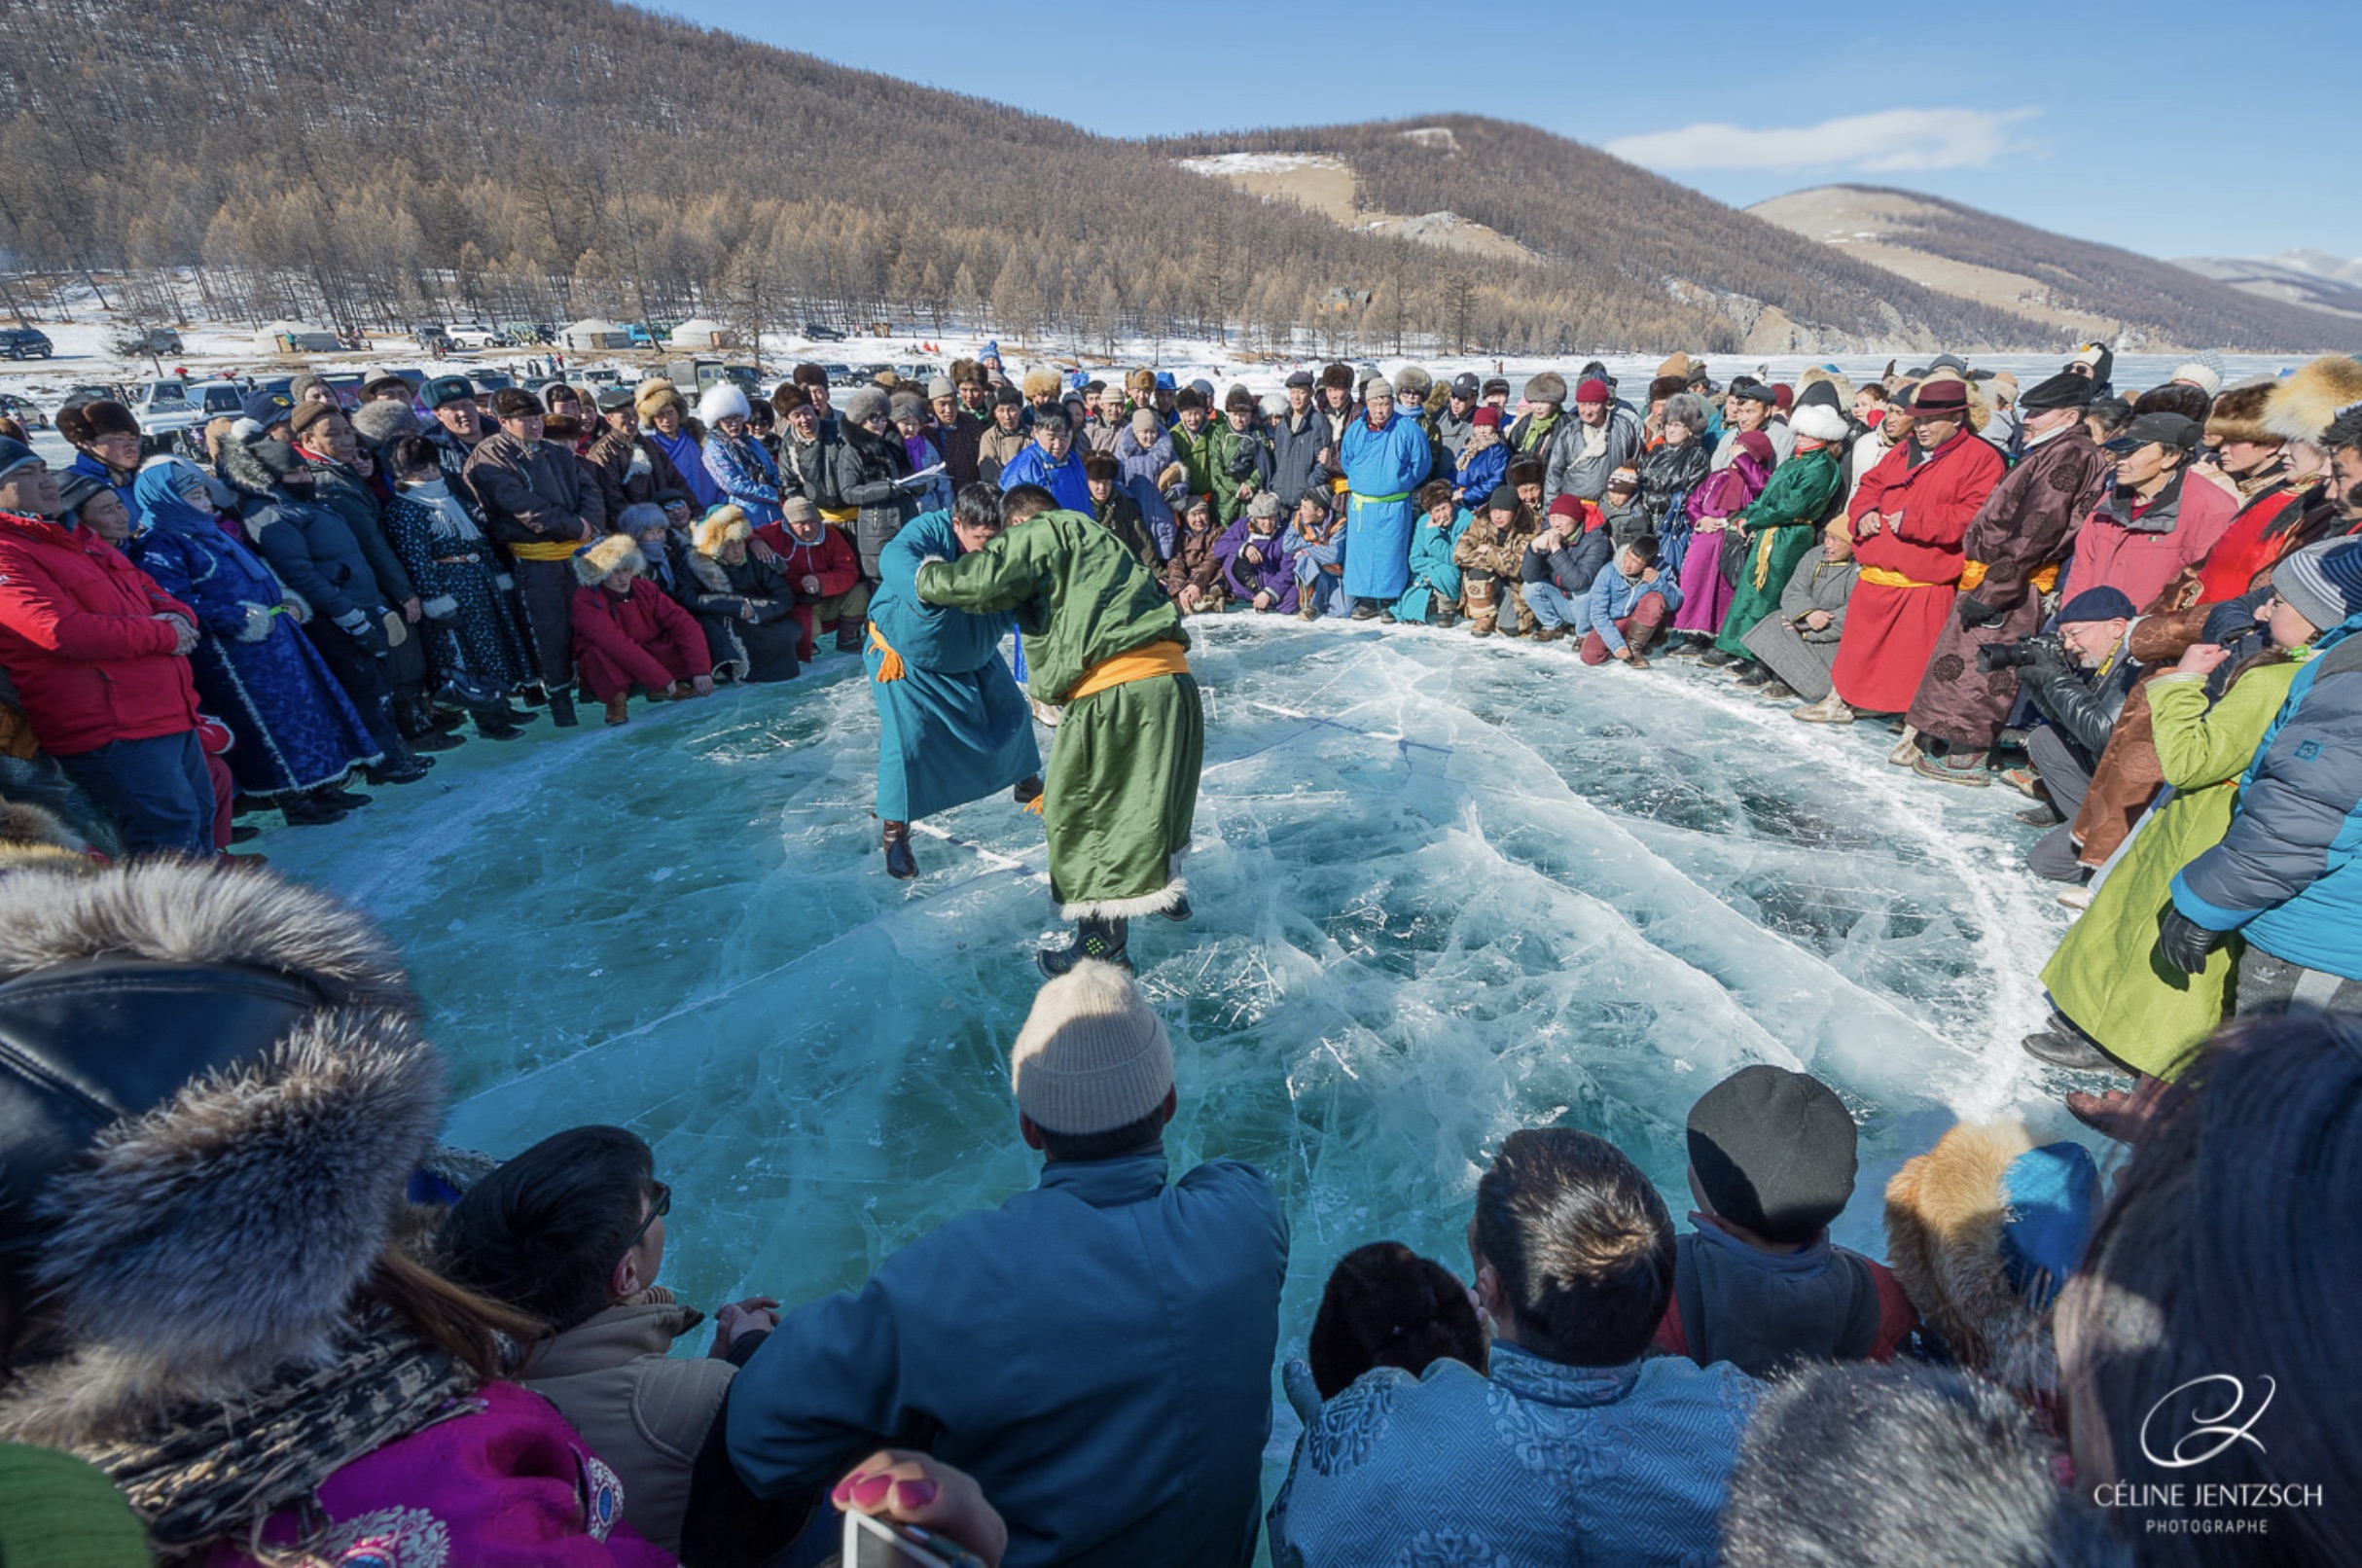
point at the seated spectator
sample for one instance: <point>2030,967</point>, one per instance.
<point>1385,1305</point>
<point>1434,594</point>
<point>662,536</point>
<point>571,1234</point>
<point>475,640</point>
<point>2230,1236</point>
<point>1717,505</point>
<point>746,606</point>
<point>1316,551</point>
<point>251,1352</point>
<point>1757,1283</point>
<point>1562,563</point>
<point>2078,681</point>
<point>97,653</point>
<point>105,436</point>
<point>1123,509</point>
<point>819,563</point>
<point>1491,552</point>
<point>1574,1267</point>
<point>1256,569</point>
<point>1861,1466</point>
<point>1095,1352</point>
<point>1799,643</point>
<point>1982,1232</point>
<point>97,506</point>
<point>1676,464</point>
<point>2154,524</point>
<point>1630,602</point>
<point>629,633</point>
<point>1194,576</point>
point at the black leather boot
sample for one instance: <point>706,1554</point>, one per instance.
<point>901,864</point>
<point>1094,937</point>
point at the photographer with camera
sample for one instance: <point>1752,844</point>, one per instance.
<point>2078,677</point>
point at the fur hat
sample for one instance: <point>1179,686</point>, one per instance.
<point>1041,381</point>
<point>83,423</point>
<point>1665,386</point>
<point>213,1195</point>
<point>1339,377</point>
<point>719,527</point>
<point>384,421</point>
<point>2175,396</point>
<point>1140,384</point>
<point>2239,415</point>
<point>906,406</point>
<point>862,404</point>
<point>655,394</point>
<point>1817,421</point>
<point>2302,405</point>
<point>722,400</point>
<point>1547,387</point>
<point>1092,1055</point>
<point>1413,379</point>
<point>1264,505</point>
<point>1523,471</point>
<point>613,553</point>
<point>966,369</point>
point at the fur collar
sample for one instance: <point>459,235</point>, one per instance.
<point>1945,1210</point>
<point>710,573</point>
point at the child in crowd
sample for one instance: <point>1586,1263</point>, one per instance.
<point>1194,575</point>
<point>1628,606</point>
<point>1757,1283</point>
<point>1317,549</point>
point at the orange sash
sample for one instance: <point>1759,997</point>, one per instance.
<point>1136,665</point>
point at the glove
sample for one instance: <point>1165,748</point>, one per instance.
<point>504,582</point>
<point>258,622</point>
<point>2183,944</point>
<point>1975,611</point>
<point>441,607</point>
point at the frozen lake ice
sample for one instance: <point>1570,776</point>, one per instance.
<point>1445,888</point>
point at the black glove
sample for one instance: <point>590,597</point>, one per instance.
<point>1975,611</point>
<point>2183,944</point>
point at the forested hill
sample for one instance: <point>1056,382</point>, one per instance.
<point>538,158</point>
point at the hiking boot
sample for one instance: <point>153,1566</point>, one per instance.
<point>497,725</point>
<point>901,864</point>
<point>1482,625</point>
<point>1954,768</point>
<point>2064,1046</point>
<point>562,710</point>
<point>1094,937</point>
<point>1027,790</point>
<point>1550,633</point>
<point>1685,645</point>
<point>433,739</point>
<point>618,708</point>
<point>1776,691</point>
<point>1830,709</point>
<point>1636,662</point>
<point>2040,816</point>
<point>409,770</point>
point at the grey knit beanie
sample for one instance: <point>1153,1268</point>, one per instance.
<point>1092,1057</point>
<point>2322,581</point>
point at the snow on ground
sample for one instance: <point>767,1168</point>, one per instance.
<point>1445,888</point>
<point>1226,165</point>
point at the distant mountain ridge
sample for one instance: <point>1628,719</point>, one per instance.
<point>2313,279</point>
<point>2092,290</point>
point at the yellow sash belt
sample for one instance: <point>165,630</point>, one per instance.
<point>1136,665</point>
<point>1972,576</point>
<point>846,516</point>
<point>1882,578</point>
<point>560,550</point>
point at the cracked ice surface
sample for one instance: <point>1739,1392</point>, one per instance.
<point>1444,889</point>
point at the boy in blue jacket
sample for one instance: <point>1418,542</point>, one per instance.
<point>1630,605</point>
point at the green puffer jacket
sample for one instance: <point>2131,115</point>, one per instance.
<point>1206,457</point>
<point>1080,597</point>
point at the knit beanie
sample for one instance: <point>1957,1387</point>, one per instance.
<point>386,420</point>
<point>1092,1057</point>
<point>2322,581</point>
<point>1774,1151</point>
<point>13,455</point>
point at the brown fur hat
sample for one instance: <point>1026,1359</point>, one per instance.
<point>1523,471</point>
<point>967,369</point>
<point>719,527</point>
<point>1665,386</point>
<point>2239,415</point>
<point>83,423</point>
<point>1547,387</point>
<point>1945,1213</point>
<point>34,836</point>
<point>2191,403</point>
<point>1339,376</point>
<point>610,556</point>
<point>654,393</point>
<point>2302,405</point>
<point>1041,381</point>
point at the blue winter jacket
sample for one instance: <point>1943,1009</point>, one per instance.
<point>2285,872</point>
<point>1613,595</point>
<point>1065,480</point>
<point>1096,1353</point>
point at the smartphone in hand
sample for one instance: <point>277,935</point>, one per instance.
<point>871,1542</point>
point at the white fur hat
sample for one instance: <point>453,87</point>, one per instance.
<point>722,400</point>
<point>1817,421</point>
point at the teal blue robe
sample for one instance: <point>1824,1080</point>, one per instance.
<point>1435,577</point>
<point>956,727</point>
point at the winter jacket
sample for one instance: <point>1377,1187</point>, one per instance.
<point>2258,536</point>
<point>1476,475</point>
<point>1937,493</point>
<point>2084,706</point>
<point>1450,430</point>
<point>1530,437</point>
<point>315,554</point>
<point>1202,457</point>
<point>2028,520</point>
<point>1762,1311</point>
<point>2123,545</point>
<point>868,470</point>
<point>1244,458</point>
<point>630,470</point>
<point>829,558</point>
<point>1242,579</point>
<point>1120,517</point>
<point>346,494</point>
<point>809,468</point>
<point>1096,1353</point>
<point>1576,565</point>
<point>535,494</point>
<point>1667,475</point>
<point>1579,469</point>
<point>1484,547</point>
<point>746,475</point>
<point>961,442</point>
<point>623,626</point>
<point>77,638</point>
<point>1064,481</point>
<point>1614,597</point>
<point>1194,561</point>
<point>1145,464</point>
<point>1295,448</point>
<point>2287,873</point>
<point>995,447</point>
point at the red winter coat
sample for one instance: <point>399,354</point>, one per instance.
<point>2248,548</point>
<point>89,664</point>
<point>2111,552</point>
<point>644,634</point>
<point>831,559</point>
<point>1938,499</point>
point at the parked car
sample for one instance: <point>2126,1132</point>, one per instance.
<point>97,392</point>
<point>25,410</point>
<point>748,376</point>
<point>822,334</point>
<point>150,340</point>
<point>165,408</point>
<point>489,382</point>
<point>603,378</point>
<point>842,376</point>
<point>432,338</point>
<point>26,342</point>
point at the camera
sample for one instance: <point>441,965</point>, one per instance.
<point>2039,649</point>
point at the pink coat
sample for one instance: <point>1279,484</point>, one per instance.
<point>2109,555</point>
<point>509,1486</point>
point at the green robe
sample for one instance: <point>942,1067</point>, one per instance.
<point>1121,785</point>
<point>1785,522</point>
<point>2105,977</point>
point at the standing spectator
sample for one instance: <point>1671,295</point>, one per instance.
<point>1095,1352</point>
<point>998,445</point>
<point>814,381</point>
<point>1483,459</point>
<point>740,469</point>
<point>873,472</point>
<point>1434,594</point>
<point>1534,434</point>
<point>629,632</point>
<point>1051,462</point>
<point>821,566</point>
<point>1606,437</point>
<point>1799,643</point>
<point>1122,510</point>
<point>1780,525</point>
<point>541,507</point>
<point>458,428</point>
<point>1242,457</point>
<point>1144,451</point>
<point>1384,458</point>
<point>480,654</point>
<point>960,434</point>
<point>807,450</point>
<point>665,425</point>
<point>1297,439</point>
<point>1753,408</point>
<point>631,467</point>
<point>106,445</point>
<point>1574,1260</point>
<point>95,506</point>
<point>297,735</point>
<point>97,655</point>
<point>1454,417</point>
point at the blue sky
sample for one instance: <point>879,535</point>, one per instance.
<point>2172,128</point>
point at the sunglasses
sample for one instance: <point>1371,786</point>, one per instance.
<point>661,1204</point>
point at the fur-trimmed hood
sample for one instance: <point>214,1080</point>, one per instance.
<point>1945,1214</point>
<point>2302,407</point>
<point>214,1235</point>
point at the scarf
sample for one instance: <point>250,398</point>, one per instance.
<point>213,1470</point>
<point>1595,441</point>
<point>447,515</point>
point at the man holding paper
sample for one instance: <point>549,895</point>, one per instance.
<point>872,473</point>
<point>1051,463</point>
